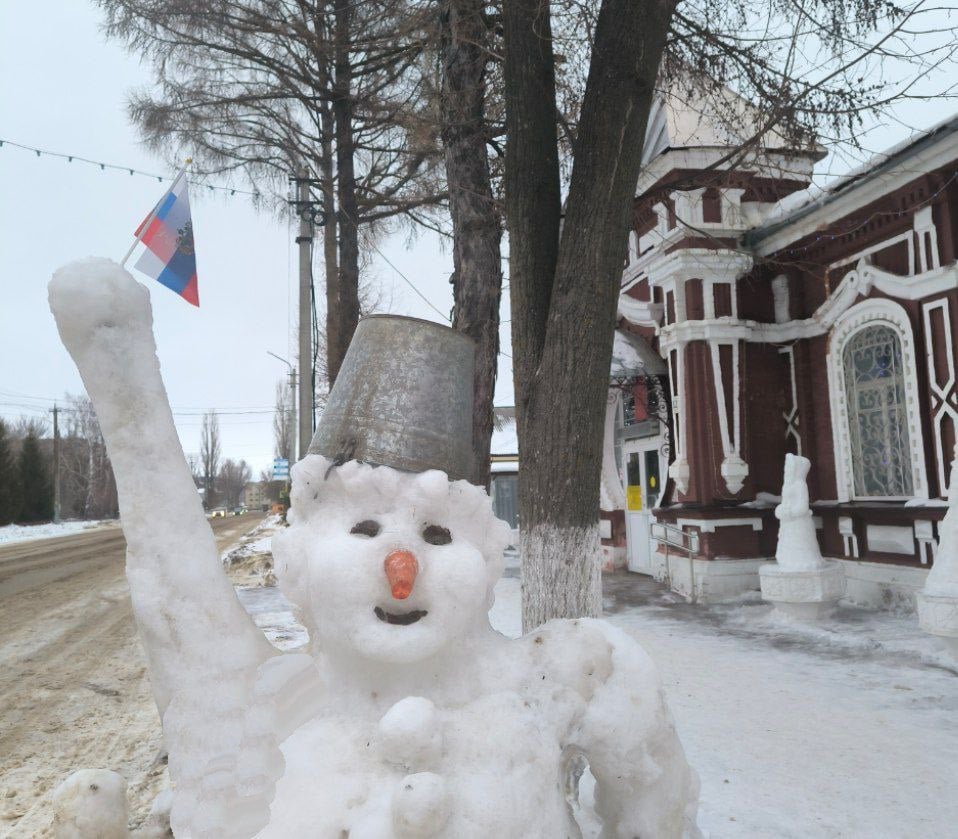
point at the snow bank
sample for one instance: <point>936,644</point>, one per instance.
<point>13,533</point>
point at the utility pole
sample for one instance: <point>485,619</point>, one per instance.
<point>56,466</point>
<point>305,242</point>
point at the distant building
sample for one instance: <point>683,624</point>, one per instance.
<point>504,456</point>
<point>255,496</point>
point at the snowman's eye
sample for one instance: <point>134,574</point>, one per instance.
<point>367,527</point>
<point>436,535</point>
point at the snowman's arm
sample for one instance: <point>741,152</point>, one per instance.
<point>197,636</point>
<point>644,785</point>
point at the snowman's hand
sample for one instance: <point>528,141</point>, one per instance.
<point>644,786</point>
<point>96,303</point>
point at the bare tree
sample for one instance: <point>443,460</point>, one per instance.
<point>464,37</point>
<point>233,477</point>
<point>25,425</point>
<point>210,455</point>
<point>270,88</point>
<point>284,431</point>
<point>84,462</point>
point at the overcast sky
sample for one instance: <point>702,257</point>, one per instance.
<point>64,89</point>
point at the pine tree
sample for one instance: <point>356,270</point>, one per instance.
<point>36,492</point>
<point>9,478</point>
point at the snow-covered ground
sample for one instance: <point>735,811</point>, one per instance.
<point>847,729</point>
<point>28,532</point>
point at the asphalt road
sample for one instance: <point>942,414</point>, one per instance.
<point>74,690</point>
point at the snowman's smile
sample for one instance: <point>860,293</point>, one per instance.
<point>400,620</point>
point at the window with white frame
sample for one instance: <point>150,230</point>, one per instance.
<point>880,449</point>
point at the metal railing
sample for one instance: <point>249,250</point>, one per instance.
<point>674,538</point>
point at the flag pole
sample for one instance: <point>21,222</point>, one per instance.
<point>149,218</point>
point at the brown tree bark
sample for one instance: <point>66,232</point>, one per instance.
<point>476,225</point>
<point>348,215</point>
<point>564,283</point>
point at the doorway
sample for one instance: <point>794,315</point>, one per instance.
<point>643,467</point>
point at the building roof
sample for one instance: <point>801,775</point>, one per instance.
<point>883,165</point>
<point>689,116</point>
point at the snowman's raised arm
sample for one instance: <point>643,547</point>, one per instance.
<point>196,633</point>
<point>644,785</point>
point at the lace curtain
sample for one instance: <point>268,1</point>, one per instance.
<point>878,428</point>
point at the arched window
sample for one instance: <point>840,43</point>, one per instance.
<point>880,448</point>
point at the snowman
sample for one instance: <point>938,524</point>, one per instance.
<point>407,715</point>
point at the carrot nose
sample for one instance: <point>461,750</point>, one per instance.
<point>401,570</point>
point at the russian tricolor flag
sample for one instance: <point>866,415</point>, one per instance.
<point>167,233</point>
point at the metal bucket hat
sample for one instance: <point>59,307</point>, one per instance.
<point>403,398</point>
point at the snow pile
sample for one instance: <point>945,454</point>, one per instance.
<point>12,533</point>
<point>251,563</point>
<point>409,716</point>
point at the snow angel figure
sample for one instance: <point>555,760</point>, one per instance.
<point>408,715</point>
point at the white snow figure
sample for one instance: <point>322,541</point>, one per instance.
<point>797,548</point>
<point>409,716</point>
<point>942,580</point>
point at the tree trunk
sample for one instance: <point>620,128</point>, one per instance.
<point>565,287</point>
<point>330,260</point>
<point>477,232</point>
<point>346,182</point>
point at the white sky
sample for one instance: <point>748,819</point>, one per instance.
<point>65,89</point>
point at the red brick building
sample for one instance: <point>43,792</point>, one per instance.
<point>785,321</point>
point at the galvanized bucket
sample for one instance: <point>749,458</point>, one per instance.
<point>403,398</point>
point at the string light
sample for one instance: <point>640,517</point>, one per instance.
<point>69,158</point>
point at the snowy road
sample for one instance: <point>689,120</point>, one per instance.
<point>73,686</point>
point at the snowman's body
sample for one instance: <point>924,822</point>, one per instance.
<point>408,716</point>
<point>501,745</point>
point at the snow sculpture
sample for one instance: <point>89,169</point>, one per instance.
<point>938,601</point>
<point>409,716</point>
<point>93,803</point>
<point>800,583</point>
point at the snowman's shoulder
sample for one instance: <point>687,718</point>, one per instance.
<point>585,654</point>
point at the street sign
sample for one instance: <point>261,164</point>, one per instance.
<point>280,469</point>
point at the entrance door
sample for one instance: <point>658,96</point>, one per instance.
<point>637,524</point>
<point>643,488</point>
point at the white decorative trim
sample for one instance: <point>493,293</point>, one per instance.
<point>877,310</point>
<point>679,470</point>
<point>925,537</point>
<point>709,525</point>
<point>946,392</point>
<point>847,530</point>
<point>734,469</point>
<point>791,415</point>
<point>924,225</point>
<point>856,283</point>
<point>640,312</point>
<point>611,491</point>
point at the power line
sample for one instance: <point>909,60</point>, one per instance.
<point>69,158</point>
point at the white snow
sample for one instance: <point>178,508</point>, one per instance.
<point>842,729</point>
<point>12,533</point>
